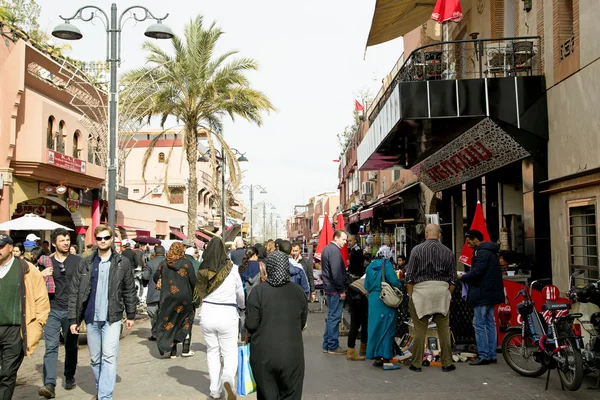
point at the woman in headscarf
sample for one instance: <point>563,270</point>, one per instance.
<point>275,316</point>
<point>382,319</point>
<point>175,279</point>
<point>220,289</point>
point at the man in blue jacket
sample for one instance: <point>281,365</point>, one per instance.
<point>486,289</point>
<point>297,274</point>
<point>335,280</point>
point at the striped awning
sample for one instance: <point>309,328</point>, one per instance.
<point>395,18</point>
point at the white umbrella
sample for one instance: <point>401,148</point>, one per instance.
<point>30,222</point>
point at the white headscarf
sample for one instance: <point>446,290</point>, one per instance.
<point>384,252</point>
<point>190,251</point>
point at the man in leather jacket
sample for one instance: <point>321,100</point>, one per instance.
<point>101,290</point>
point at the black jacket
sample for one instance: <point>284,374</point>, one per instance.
<point>307,265</point>
<point>121,289</point>
<point>130,255</point>
<point>486,287</point>
<point>333,272</point>
<point>357,261</point>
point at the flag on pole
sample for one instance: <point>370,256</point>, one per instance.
<point>358,106</point>
<point>325,237</point>
<point>466,255</point>
<point>340,227</point>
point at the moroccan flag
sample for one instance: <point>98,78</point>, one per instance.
<point>340,226</point>
<point>358,106</point>
<point>478,223</point>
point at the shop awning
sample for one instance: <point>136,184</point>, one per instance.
<point>178,234</point>
<point>199,243</point>
<point>398,221</point>
<point>395,18</point>
<point>396,195</point>
<point>138,231</point>
<point>354,217</point>
<point>368,213</point>
<point>203,235</point>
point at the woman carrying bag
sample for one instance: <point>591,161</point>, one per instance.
<point>382,318</point>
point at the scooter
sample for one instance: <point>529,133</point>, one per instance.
<point>586,305</point>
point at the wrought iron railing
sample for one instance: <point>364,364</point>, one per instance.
<point>467,59</point>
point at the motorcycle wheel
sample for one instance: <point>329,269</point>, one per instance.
<point>520,359</point>
<point>570,371</point>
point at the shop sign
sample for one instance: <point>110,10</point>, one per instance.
<point>23,209</point>
<point>66,162</point>
<point>483,148</point>
<point>72,200</point>
<point>85,198</point>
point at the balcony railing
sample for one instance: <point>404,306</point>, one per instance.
<point>467,59</point>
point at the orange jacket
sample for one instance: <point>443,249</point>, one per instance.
<point>35,304</point>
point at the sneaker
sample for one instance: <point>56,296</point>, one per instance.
<point>229,390</point>
<point>152,339</point>
<point>415,369</point>
<point>47,391</point>
<point>480,361</point>
<point>174,352</point>
<point>188,354</point>
<point>449,368</point>
<point>338,351</point>
<point>324,350</point>
<point>70,383</point>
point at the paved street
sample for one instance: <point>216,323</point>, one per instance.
<point>143,374</point>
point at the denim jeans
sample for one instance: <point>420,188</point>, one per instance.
<point>332,322</point>
<point>103,344</point>
<point>485,332</point>
<point>57,322</point>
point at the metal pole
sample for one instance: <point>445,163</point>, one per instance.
<point>275,227</point>
<point>223,208</point>
<point>251,208</point>
<point>265,220</point>
<point>112,124</point>
<point>272,226</point>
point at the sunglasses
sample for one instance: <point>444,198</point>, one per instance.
<point>61,267</point>
<point>103,238</point>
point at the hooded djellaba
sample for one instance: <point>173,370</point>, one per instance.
<point>276,314</point>
<point>176,280</point>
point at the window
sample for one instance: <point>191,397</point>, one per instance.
<point>50,134</point>
<point>395,175</point>
<point>60,142</point>
<point>583,237</point>
<point>176,196</point>
<point>136,191</point>
<point>161,157</point>
<point>566,35</point>
<point>76,144</point>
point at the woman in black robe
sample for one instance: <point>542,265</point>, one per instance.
<point>176,280</point>
<point>276,313</point>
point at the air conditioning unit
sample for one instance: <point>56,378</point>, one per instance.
<point>367,188</point>
<point>372,175</point>
<point>363,197</point>
<point>156,191</point>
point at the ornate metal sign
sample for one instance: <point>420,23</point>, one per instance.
<point>483,148</point>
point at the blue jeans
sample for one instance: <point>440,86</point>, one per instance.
<point>57,322</point>
<point>485,332</point>
<point>103,344</point>
<point>332,322</point>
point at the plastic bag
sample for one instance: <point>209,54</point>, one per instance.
<point>245,381</point>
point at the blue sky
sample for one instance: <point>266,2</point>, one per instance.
<point>312,66</point>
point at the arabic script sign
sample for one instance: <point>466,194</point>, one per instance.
<point>483,148</point>
<point>66,162</point>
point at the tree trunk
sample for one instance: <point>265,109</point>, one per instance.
<point>191,151</point>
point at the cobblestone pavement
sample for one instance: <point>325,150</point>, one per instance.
<point>143,374</point>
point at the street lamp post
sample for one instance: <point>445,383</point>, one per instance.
<point>265,203</point>
<point>114,27</point>
<point>251,188</point>
<point>222,163</point>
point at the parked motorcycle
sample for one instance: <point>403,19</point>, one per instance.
<point>586,308</point>
<point>535,347</point>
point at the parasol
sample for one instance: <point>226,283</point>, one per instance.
<point>444,12</point>
<point>31,222</point>
<point>466,254</point>
<point>146,240</point>
<point>340,226</point>
<point>325,237</point>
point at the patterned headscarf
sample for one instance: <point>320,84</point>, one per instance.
<point>384,252</point>
<point>215,267</point>
<point>176,252</point>
<point>278,268</point>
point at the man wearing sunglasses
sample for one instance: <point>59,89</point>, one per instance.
<point>64,265</point>
<point>24,309</point>
<point>102,289</point>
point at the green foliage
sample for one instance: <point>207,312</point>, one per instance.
<point>345,138</point>
<point>22,13</point>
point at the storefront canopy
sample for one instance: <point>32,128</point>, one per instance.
<point>395,18</point>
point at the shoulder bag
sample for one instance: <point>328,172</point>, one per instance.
<point>390,295</point>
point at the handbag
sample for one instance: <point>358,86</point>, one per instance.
<point>245,380</point>
<point>391,296</point>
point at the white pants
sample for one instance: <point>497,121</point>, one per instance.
<point>220,330</point>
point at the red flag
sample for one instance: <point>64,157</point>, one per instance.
<point>447,10</point>
<point>325,237</point>
<point>358,106</point>
<point>478,223</point>
<point>340,226</point>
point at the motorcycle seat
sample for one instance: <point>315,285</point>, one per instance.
<point>552,306</point>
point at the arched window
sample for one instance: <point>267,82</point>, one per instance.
<point>76,149</point>
<point>200,198</point>
<point>60,142</point>
<point>161,157</point>
<point>176,196</point>
<point>50,134</point>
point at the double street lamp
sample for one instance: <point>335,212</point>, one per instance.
<point>265,204</point>
<point>221,160</point>
<point>114,26</point>
<point>251,188</point>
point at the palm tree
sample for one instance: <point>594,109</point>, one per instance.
<point>198,88</point>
